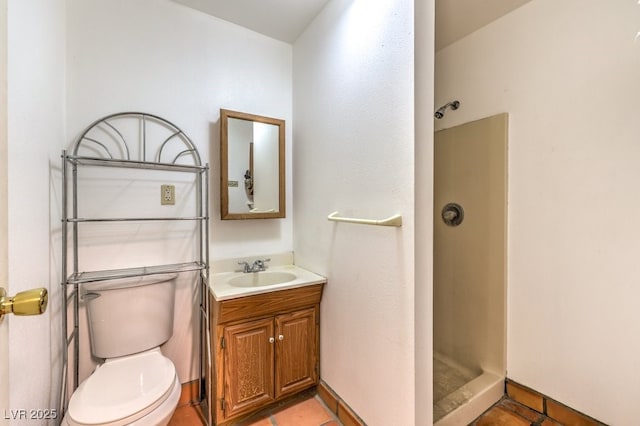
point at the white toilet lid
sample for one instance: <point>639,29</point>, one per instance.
<point>122,387</point>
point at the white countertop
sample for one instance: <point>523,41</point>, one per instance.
<point>222,290</point>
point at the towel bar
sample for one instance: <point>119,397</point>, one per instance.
<point>395,220</point>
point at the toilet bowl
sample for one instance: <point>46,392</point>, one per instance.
<point>140,389</point>
<point>136,384</point>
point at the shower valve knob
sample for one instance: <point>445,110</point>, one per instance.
<point>452,214</point>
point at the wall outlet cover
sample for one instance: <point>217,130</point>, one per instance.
<point>167,195</point>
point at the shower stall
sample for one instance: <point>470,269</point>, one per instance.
<point>470,242</point>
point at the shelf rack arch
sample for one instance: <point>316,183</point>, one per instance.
<point>112,135</point>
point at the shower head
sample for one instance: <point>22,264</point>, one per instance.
<point>454,105</point>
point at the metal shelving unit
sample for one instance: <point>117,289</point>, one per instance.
<point>160,146</point>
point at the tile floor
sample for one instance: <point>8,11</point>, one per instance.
<point>309,410</point>
<point>187,415</point>
<point>508,412</point>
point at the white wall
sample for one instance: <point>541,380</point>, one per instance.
<point>161,57</point>
<point>567,74</point>
<point>4,326</point>
<point>423,192</point>
<point>354,153</point>
<point>35,120</point>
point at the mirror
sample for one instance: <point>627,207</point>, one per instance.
<point>251,166</point>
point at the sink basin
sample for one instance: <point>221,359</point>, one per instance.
<point>227,285</point>
<point>260,279</point>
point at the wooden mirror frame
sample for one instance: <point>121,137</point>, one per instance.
<point>225,214</point>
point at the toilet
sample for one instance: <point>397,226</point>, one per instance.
<point>128,319</point>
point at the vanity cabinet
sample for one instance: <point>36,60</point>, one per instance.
<point>267,349</point>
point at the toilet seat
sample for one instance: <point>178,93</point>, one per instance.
<point>124,389</point>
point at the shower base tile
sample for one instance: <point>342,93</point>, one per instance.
<point>448,377</point>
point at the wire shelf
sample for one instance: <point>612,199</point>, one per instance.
<point>112,274</point>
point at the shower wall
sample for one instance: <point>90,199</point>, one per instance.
<point>470,259</point>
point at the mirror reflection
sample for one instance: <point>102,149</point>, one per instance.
<point>251,166</point>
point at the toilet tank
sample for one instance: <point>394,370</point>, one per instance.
<point>129,315</point>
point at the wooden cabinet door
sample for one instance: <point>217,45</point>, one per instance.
<point>248,366</point>
<point>296,351</point>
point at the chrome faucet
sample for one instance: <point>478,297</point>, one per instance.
<point>258,266</point>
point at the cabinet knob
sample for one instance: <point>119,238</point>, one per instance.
<point>271,339</point>
<point>281,337</point>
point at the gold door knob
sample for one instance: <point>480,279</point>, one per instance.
<point>29,302</point>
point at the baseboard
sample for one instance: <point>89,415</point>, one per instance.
<point>548,406</point>
<point>189,394</point>
<point>338,406</point>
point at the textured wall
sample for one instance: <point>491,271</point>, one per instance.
<point>567,74</point>
<point>166,59</point>
<point>173,61</point>
<point>4,257</point>
<point>354,118</point>
<point>35,123</point>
